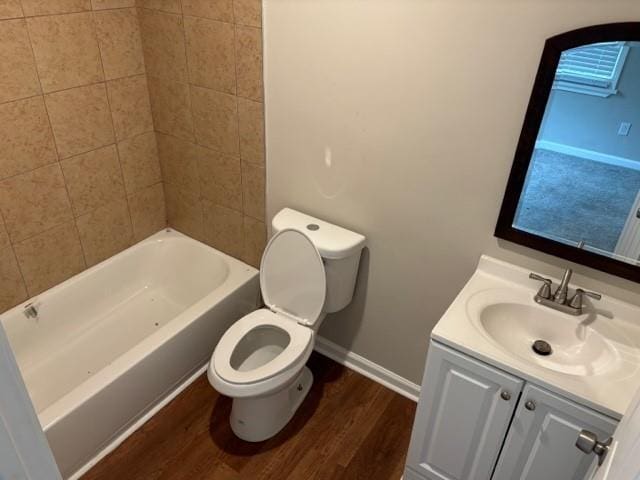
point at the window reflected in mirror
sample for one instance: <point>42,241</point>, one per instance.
<point>583,181</point>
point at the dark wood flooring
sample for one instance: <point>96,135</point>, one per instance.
<point>348,427</point>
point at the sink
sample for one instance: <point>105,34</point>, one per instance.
<point>515,322</point>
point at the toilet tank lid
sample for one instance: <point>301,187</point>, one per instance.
<point>332,241</point>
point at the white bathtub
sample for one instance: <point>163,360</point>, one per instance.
<point>109,344</point>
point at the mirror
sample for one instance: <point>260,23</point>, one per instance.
<point>574,189</point>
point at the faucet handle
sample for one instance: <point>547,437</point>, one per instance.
<point>576,301</point>
<point>545,289</point>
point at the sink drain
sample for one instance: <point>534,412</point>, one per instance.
<point>542,348</point>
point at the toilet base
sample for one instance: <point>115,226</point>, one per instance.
<point>260,418</point>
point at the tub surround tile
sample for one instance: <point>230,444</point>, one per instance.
<point>223,229</point>
<point>130,106</point>
<point>213,9</point>
<point>93,179</point>
<point>164,45</point>
<point>170,6</point>
<point>18,76</point>
<point>179,162</point>
<point>184,211</point>
<point>221,179</point>
<point>249,64</point>
<point>105,232</point>
<point>25,136</point>
<point>210,54</point>
<point>35,201</point>
<point>139,160</point>
<point>148,213</point>
<point>106,4</point>
<point>10,9</point>
<point>253,191</point>
<point>66,50</point>
<point>54,7</point>
<point>248,12</point>
<point>81,119</point>
<point>4,236</point>
<point>255,240</point>
<point>12,288</point>
<point>215,117</point>
<point>251,126</point>
<point>50,258</point>
<point>120,42</point>
<point>171,107</point>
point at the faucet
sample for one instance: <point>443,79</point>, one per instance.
<point>30,311</point>
<point>560,299</point>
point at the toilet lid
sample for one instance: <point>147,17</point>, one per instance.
<point>292,277</point>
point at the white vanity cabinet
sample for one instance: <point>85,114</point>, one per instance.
<point>476,422</point>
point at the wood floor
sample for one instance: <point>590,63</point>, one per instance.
<point>347,428</point>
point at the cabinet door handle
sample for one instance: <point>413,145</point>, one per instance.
<point>505,395</point>
<point>530,405</point>
<point>588,443</point>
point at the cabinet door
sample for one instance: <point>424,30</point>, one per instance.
<point>541,441</point>
<point>463,415</point>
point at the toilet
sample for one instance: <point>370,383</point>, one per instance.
<point>308,269</point>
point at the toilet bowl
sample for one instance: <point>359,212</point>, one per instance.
<point>260,360</point>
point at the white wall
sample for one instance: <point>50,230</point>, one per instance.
<point>420,103</point>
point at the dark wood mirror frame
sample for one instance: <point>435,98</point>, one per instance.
<point>553,48</point>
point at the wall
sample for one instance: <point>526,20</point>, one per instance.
<point>596,125</point>
<point>79,172</point>
<point>400,120</point>
<point>204,61</point>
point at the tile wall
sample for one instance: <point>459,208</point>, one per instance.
<point>80,177</point>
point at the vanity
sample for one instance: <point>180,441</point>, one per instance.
<point>492,407</point>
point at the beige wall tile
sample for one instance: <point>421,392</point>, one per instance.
<point>148,214</point>
<point>12,289</point>
<point>171,107</point>
<point>50,258</point>
<point>179,162</point>
<point>66,50</point>
<point>223,229</point>
<point>164,46</point>
<point>210,54</point>
<point>184,211</point>
<point>253,191</point>
<point>251,131</point>
<point>25,136</point>
<point>255,239</point>
<point>248,12</point>
<point>130,106</point>
<point>10,9</point>
<point>171,6</point>
<point>93,179</point>
<point>18,76</point>
<point>249,63</point>
<point>53,7</point>
<point>215,117</point>
<point>120,42</point>
<point>105,231</point>
<point>34,202</point>
<point>80,119</point>
<point>221,179</point>
<point>4,236</point>
<point>105,4</point>
<point>139,160</point>
<point>214,9</point>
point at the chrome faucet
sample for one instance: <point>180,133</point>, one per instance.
<point>30,311</point>
<point>560,299</point>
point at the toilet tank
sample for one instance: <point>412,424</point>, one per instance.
<point>340,250</point>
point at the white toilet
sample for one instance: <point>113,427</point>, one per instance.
<point>308,269</point>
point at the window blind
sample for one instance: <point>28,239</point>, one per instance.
<point>598,64</point>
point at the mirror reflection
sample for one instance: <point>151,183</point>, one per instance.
<point>583,183</point>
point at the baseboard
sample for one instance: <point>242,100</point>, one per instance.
<point>588,154</point>
<point>368,368</point>
<point>141,421</point>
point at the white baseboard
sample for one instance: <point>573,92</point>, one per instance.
<point>367,368</point>
<point>588,154</point>
<point>141,421</point>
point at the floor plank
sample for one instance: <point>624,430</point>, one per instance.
<point>348,427</point>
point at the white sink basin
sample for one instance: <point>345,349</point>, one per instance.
<point>577,348</point>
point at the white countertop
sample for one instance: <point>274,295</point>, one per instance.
<point>608,392</point>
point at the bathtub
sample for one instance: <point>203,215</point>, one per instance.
<point>109,346</point>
